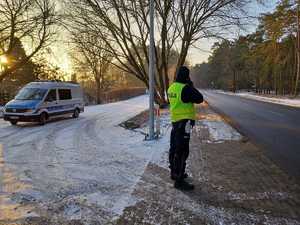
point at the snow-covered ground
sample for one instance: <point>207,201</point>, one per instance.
<point>88,166</point>
<point>220,131</point>
<point>251,95</point>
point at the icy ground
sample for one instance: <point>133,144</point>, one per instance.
<point>251,95</point>
<point>90,170</point>
<point>82,169</point>
<point>86,167</point>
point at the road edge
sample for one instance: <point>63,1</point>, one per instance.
<point>245,139</point>
<point>229,121</point>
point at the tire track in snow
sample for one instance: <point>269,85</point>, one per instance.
<point>88,158</point>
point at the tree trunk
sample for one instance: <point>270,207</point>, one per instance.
<point>158,99</point>
<point>298,73</point>
<point>298,51</point>
<point>98,91</point>
<point>184,51</point>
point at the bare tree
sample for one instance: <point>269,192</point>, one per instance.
<point>179,24</point>
<point>93,56</point>
<point>30,21</point>
<point>206,19</point>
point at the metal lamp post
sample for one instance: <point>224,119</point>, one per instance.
<point>151,73</point>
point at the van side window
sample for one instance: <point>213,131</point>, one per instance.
<point>51,96</point>
<point>64,94</point>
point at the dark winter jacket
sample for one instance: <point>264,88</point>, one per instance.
<point>189,93</point>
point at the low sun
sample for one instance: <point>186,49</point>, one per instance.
<point>3,59</point>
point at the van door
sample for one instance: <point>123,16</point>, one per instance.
<point>65,100</point>
<point>51,102</point>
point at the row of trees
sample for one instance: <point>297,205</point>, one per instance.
<point>24,21</point>
<point>27,28</point>
<point>33,69</point>
<point>110,34</point>
<point>266,60</point>
<point>117,32</point>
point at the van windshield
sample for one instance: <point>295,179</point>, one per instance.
<point>31,94</point>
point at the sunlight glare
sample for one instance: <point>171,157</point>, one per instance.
<point>3,59</point>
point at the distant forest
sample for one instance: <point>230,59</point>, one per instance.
<point>266,61</point>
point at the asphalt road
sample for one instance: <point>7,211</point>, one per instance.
<point>276,128</point>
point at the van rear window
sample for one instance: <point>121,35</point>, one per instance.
<point>64,94</point>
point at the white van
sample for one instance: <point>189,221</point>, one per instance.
<point>39,101</point>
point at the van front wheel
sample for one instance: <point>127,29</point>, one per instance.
<point>13,122</point>
<point>43,119</point>
<point>76,113</point>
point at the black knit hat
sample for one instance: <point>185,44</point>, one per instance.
<point>183,75</point>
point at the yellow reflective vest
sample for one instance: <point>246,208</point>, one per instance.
<point>179,109</point>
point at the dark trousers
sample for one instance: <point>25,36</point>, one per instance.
<point>179,148</point>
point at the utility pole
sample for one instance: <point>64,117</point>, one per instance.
<point>151,73</point>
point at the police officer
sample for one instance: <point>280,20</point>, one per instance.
<point>182,96</point>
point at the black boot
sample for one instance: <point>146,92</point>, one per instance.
<point>183,185</point>
<point>185,175</point>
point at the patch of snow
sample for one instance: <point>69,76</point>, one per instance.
<point>89,158</point>
<point>72,211</point>
<point>220,131</point>
<point>251,95</point>
<point>160,155</point>
<point>258,196</point>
